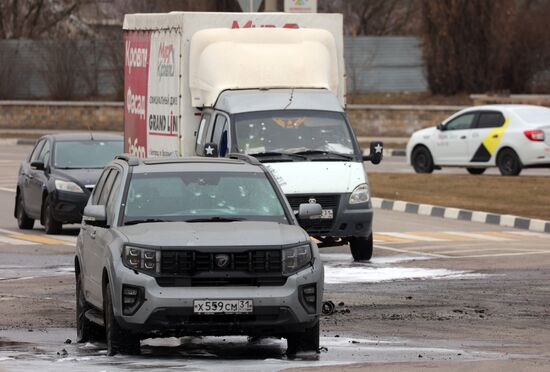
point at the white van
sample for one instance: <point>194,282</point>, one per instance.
<point>202,84</point>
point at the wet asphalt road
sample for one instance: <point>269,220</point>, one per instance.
<point>418,261</point>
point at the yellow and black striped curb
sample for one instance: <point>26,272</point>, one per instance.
<point>505,220</point>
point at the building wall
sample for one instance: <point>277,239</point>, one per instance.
<point>367,120</point>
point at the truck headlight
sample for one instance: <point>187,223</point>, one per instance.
<point>296,258</point>
<point>67,186</point>
<point>360,194</point>
<point>142,259</point>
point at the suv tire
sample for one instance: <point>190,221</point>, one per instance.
<point>422,160</point>
<point>85,329</point>
<point>51,225</point>
<point>508,162</point>
<point>24,222</point>
<point>476,171</point>
<point>361,248</point>
<point>306,341</point>
<point>118,341</point>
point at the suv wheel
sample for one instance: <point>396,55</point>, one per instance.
<point>476,170</point>
<point>307,341</point>
<point>508,163</point>
<point>51,225</point>
<point>361,248</point>
<point>422,160</point>
<point>85,329</point>
<point>23,220</point>
<point>117,340</point>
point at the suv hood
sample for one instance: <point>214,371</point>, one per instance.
<point>197,234</point>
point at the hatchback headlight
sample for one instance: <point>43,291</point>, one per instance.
<point>296,258</point>
<point>142,259</point>
<point>67,186</point>
<point>360,194</point>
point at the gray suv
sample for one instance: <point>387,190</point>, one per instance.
<point>195,246</point>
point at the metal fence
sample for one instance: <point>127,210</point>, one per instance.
<point>35,69</point>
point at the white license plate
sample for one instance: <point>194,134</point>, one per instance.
<point>223,306</point>
<point>327,214</point>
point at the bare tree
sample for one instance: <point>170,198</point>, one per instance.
<point>62,64</point>
<point>8,79</point>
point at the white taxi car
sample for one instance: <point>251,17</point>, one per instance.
<point>511,137</point>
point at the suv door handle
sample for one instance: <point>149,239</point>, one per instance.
<point>92,233</point>
<point>462,137</point>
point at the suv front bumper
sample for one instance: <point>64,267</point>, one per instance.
<point>168,311</point>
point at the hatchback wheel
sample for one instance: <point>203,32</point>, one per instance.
<point>508,163</point>
<point>422,160</point>
<point>476,170</point>
<point>23,220</point>
<point>51,225</point>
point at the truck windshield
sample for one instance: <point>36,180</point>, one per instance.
<point>85,154</point>
<point>293,131</point>
<point>202,196</point>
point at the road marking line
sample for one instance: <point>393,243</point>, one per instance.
<point>381,237</point>
<point>530,234</point>
<point>491,249</point>
<point>437,235</point>
<point>411,236</point>
<point>6,189</point>
<point>40,239</point>
<point>478,236</point>
<point>501,254</point>
<point>11,241</point>
<point>410,251</point>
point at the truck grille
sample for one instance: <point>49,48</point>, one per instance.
<point>190,262</point>
<point>316,226</point>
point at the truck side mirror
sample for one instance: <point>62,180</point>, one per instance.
<point>376,152</point>
<point>211,150</point>
<point>309,211</point>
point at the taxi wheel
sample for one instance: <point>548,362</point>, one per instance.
<point>422,160</point>
<point>361,248</point>
<point>476,170</point>
<point>508,163</point>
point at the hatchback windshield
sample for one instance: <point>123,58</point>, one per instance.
<point>85,154</point>
<point>292,131</point>
<point>199,196</point>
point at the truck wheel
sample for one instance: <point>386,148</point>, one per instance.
<point>51,225</point>
<point>23,220</point>
<point>422,160</point>
<point>508,162</point>
<point>85,329</point>
<point>361,248</point>
<point>307,341</point>
<point>476,170</point>
<point>117,340</point>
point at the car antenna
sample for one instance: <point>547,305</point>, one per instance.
<point>290,99</point>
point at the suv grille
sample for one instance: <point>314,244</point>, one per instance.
<point>192,268</point>
<point>316,226</point>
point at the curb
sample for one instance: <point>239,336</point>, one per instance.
<point>505,220</point>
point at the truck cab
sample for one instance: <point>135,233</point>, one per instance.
<point>304,138</point>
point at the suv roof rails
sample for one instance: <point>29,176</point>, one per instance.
<point>247,158</point>
<point>130,159</point>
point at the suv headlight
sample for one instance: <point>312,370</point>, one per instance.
<point>360,194</point>
<point>67,186</point>
<point>296,258</point>
<point>142,259</point>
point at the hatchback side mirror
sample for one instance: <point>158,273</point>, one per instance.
<point>211,150</point>
<point>37,164</point>
<point>376,152</point>
<point>308,211</point>
<point>95,215</point>
<point>440,127</point>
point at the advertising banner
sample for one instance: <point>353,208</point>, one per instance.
<point>136,70</point>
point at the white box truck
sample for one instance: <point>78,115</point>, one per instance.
<point>268,85</point>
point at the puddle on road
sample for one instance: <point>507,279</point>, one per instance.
<point>340,268</point>
<point>46,351</point>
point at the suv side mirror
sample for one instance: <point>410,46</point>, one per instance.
<point>211,150</point>
<point>308,211</point>
<point>440,127</point>
<point>95,215</point>
<point>376,152</point>
<point>37,164</point>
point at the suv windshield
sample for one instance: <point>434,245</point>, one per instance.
<point>293,131</point>
<point>202,196</point>
<point>85,154</point>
